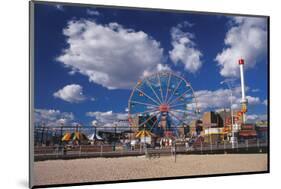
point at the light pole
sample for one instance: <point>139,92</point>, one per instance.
<point>42,134</point>
<point>61,130</point>
<point>94,123</point>
<point>233,138</point>
<point>115,128</point>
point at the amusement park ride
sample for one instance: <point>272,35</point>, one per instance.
<point>244,101</point>
<point>162,102</point>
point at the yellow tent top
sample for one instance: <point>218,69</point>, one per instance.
<point>144,133</point>
<point>66,137</point>
<point>74,136</point>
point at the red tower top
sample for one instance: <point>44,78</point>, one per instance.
<point>241,61</point>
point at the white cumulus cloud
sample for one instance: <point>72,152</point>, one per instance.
<point>220,98</point>
<point>256,117</point>
<point>107,117</point>
<point>184,49</point>
<point>108,120</point>
<point>110,55</point>
<point>162,67</point>
<point>71,93</point>
<point>247,39</point>
<point>52,117</point>
<point>253,100</point>
<point>159,68</point>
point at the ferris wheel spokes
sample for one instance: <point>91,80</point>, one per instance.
<point>149,84</point>
<point>180,120</point>
<point>147,96</point>
<point>150,117</point>
<point>161,91</point>
<point>143,103</point>
<point>174,100</point>
<point>170,97</point>
<point>168,85</point>
<point>156,121</point>
<point>148,111</point>
<point>183,111</point>
<point>182,104</point>
<point>175,105</point>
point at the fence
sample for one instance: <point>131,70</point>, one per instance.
<point>105,150</point>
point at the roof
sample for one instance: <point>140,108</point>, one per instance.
<point>74,136</point>
<point>144,133</point>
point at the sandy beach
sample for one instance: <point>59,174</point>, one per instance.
<point>106,169</point>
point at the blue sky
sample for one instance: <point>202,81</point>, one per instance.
<point>87,59</point>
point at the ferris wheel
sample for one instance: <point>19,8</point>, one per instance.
<point>162,102</point>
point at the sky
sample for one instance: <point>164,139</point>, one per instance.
<point>89,59</point>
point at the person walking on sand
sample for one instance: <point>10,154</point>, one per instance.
<point>186,145</point>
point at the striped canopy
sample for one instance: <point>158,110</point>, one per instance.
<point>74,136</point>
<point>66,137</point>
<point>144,133</point>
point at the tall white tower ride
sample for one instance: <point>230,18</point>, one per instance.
<point>244,101</point>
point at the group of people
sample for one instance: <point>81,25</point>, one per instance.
<point>164,142</point>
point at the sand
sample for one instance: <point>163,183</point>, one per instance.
<point>124,168</point>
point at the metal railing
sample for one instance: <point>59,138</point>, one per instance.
<point>106,150</point>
